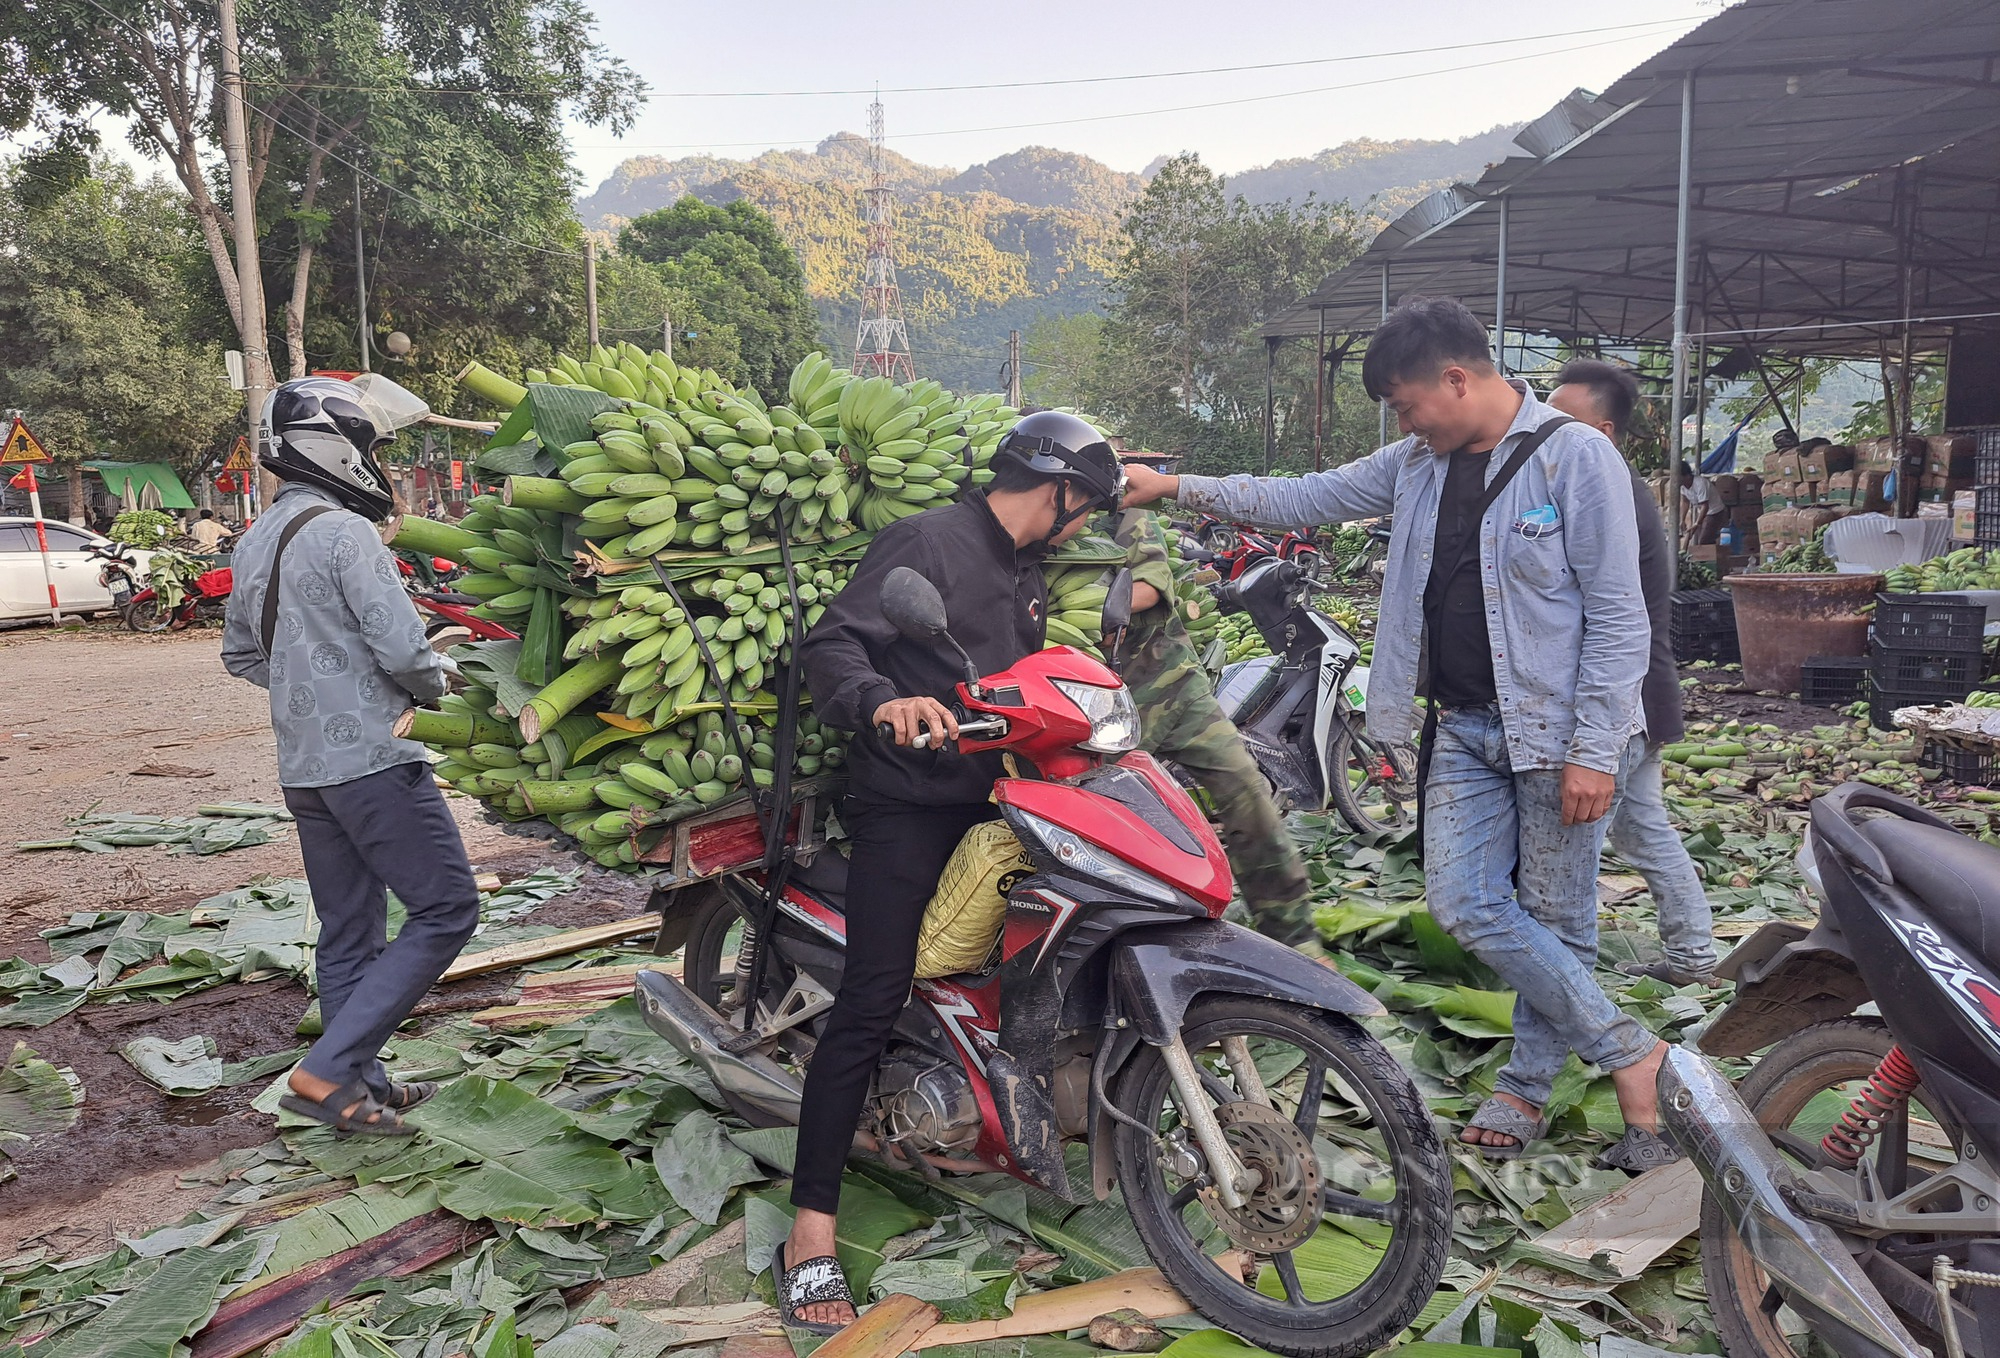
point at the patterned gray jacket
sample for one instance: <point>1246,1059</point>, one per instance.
<point>349,653</point>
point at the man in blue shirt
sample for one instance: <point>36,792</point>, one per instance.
<point>1512,600</point>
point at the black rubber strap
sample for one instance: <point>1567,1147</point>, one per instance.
<point>1443,571</point>
<point>270,627</point>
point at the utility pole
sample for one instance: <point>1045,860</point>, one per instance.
<point>881,338</point>
<point>243,221</point>
<point>590,286</point>
<point>1014,369</point>
<point>667,334</point>
<point>360,273</point>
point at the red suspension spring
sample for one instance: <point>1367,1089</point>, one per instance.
<point>1880,1097</point>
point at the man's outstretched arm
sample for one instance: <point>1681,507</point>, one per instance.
<point>1359,490</point>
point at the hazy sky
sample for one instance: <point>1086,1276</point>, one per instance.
<point>1466,66</point>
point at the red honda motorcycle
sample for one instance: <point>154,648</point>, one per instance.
<point>1280,1167</point>
<point>204,598</point>
<point>1232,549</point>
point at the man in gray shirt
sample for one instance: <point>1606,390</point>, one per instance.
<point>319,617</point>
<point>1515,605</point>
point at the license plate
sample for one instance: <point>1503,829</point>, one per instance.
<point>120,591</point>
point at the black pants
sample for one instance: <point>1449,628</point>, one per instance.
<point>897,852</point>
<point>389,831</point>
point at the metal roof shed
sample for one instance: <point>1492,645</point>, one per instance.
<point>1804,176</point>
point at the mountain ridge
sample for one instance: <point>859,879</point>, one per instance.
<point>997,245</point>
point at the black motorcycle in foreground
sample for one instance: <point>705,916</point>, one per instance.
<point>1280,1168</point>
<point>1852,1185</point>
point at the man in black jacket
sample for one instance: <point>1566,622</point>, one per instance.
<point>907,809</point>
<point>1602,395</point>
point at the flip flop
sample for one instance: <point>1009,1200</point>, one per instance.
<point>1498,1115</point>
<point>1638,1151</point>
<point>350,1110</point>
<point>808,1282</point>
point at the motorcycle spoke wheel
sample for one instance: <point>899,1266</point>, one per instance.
<point>146,615</point>
<point>1374,787</point>
<point>1798,1091</point>
<point>1344,1223</point>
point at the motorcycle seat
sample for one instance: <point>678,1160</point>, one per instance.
<point>824,878</point>
<point>1955,876</point>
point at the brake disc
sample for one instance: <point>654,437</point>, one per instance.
<point>1283,1205</point>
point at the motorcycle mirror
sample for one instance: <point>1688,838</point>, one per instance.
<point>912,605</point>
<point>1118,601</point>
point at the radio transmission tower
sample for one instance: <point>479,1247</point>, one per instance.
<point>881,340</point>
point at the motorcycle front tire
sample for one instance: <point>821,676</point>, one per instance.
<point>1377,1309</point>
<point>1347,799</point>
<point>146,615</point>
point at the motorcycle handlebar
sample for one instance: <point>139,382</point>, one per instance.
<point>975,729</point>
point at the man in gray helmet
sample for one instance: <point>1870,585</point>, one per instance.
<point>319,617</point>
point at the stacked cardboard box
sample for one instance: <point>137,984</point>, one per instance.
<point>1947,467</point>
<point>1860,491</point>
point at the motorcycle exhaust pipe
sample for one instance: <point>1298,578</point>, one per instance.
<point>1807,1260</point>
<point>700,1034</point>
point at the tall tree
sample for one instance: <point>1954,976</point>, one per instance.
<point>741,273</point>
<point>104,298</point>
<point>1182,367</point>
<point>453,108</point>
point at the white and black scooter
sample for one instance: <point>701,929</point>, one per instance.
<point>1301,709</point>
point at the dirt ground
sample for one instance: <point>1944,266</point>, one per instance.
<point>80,709</point>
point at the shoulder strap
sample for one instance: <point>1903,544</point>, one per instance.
<point>270,627</point>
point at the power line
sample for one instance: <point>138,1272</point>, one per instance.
<point>1135,113</point>
<point>1074,80</point>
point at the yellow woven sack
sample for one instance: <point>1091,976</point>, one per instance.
<point>966,912</point>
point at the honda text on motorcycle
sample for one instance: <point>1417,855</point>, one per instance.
<point>1263,1141</point>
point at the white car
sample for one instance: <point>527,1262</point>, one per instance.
<point>24,594</point>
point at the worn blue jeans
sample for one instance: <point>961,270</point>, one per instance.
<point>1518,889</point>
<point>1642,835</point>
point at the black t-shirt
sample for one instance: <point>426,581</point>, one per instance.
<point>1460,651</point>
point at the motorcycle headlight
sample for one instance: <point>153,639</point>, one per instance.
<point>1080,856</point>
<point>1114,721</point>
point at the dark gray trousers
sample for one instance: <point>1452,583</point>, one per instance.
<point>388,831</point>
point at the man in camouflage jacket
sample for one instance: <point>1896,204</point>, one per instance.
<point>1181,721</point>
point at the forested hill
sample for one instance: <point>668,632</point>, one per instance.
<point>993,247</point>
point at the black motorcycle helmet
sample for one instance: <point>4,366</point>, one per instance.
<point>1056,445</point>
<point>317,432</point>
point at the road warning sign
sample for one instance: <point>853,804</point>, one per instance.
<point>22,446</point>
<point>239,456</point>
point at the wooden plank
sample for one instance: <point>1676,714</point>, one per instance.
<point>1144,1290</point>
<point>891,1326</point>
<point>563,980</point>
<point>509,1018</point>
<point>254,1319</point>
<point>554,945</point>
<point>1637,1224</point>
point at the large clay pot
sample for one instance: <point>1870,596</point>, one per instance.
<point>1784,620</point>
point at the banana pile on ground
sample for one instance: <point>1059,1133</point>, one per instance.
<point>1966,568</point>
<point>640,547</point>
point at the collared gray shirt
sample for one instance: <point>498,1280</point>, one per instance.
<point>1558,567</point>
<point>349,652</point>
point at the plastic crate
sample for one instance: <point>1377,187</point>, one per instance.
<point>1833,680</point>
<point>1882,704</point>
<point>1940,676</point>
<point>1928,623</point>
<point>1986,516</point>
<point>1702,626</point>
<point>1963,766</point>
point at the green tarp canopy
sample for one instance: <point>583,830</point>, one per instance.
<point>138,475</point>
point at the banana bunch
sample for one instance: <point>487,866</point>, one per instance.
<point>1966,568</point>
<point>1985,697</point>
<point>621,731</point>
<point>1192,597</point>
<point>1240,638</point>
